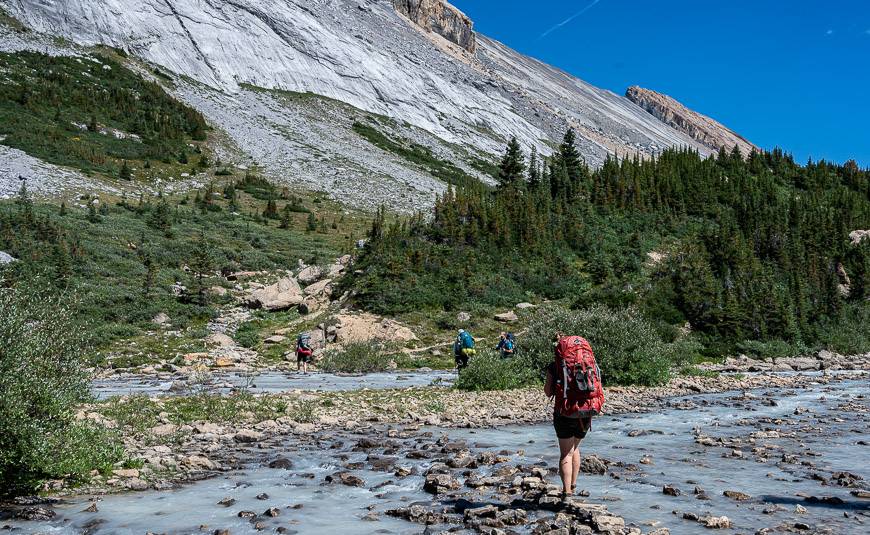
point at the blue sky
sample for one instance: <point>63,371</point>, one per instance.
<point>787,73</point>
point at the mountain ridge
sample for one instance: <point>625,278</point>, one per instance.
<point>417,62</point>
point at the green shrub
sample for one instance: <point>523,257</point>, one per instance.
<point>771,349</point>
<point>41,384</point>
<point>487,371</point>
<point>357,357</point>
<point>848,334</point>
<point>628,348</point>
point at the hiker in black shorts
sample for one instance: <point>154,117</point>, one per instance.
<point>571,426</point>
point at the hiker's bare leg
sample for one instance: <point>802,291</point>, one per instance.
<point>566,462</point>
<point>575,465</point>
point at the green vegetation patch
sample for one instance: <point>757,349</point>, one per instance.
<point>739,253</point>
<point>42,384</point>
<point>91,113</point>
<point>133,259</point>
<point>419,155</point>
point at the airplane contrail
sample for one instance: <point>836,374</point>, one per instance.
<point>569,19</point>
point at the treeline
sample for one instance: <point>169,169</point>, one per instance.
<point>747,250</point>
<point>61,109</point>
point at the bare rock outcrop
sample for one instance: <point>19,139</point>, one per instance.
<point>699,127</point>
<point>441,18</point>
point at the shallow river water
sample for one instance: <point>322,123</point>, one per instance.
<point>826,426</point>
<point>263,382</point>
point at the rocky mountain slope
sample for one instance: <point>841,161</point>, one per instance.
<point>700,127</point>
<point>415,66</point>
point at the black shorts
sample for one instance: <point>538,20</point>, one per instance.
<point>571,427</point>
<point>300,358</point>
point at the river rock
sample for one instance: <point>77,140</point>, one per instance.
<point>248,436</point>
<point>281,463</point>
<point>219,340</point>
<point>198,462</point>
<point>716,522</point>
<point>126,472</point>
<point>736,495</point>
<point>35,513</point>
<point>593,464</point>
<point>670,490</point>
<point>440,483</point>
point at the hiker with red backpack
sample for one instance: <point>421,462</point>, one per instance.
<point>304,352</point>
<point>574,379</point>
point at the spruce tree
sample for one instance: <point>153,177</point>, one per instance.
<point>126,173</point>
<point>512,166</point>
<point>312,222</point>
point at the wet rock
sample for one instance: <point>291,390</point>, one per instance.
<point>371,517</point>
<point>346,478</point>
<point>736,495</point>
<point>592,464</point>
<point>227,502</point>
<point>262,496</point>
<point>35,513</point>
<point>417,513</point>
<point>670,490</point>
<point>91,508</point>
<point>440,483</point>
<point>716,522</point>
<point>246,514</point>
<point>608,524</point>
<point>281,463</point>
<point>486,511</point>
<point>247,436</point>
<point>272,512</point>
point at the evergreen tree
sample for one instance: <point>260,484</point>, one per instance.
<point>311,225</point>
<point>126,173</point>
<point>286,220</point>
<point>534,175</point>
<point>93,216</point>
<point>512,166</point>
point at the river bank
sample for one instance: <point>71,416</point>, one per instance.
<point>776,459</point>
<point>173,440</point>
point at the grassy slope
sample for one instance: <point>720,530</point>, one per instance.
<point>105,259</point>
<point>49,102</point>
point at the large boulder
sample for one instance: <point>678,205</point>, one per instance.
<point>857,236</point>
<point>366,327</point>
<point>283,295</point>
<point>309,274</point>
<point>322,288</point>
<point>6,258</point>
<point>507,317</point>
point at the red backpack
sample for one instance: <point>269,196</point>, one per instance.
<point>578,378</point>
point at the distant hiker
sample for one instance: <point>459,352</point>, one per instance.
<point>574,379</point>
<point>303,351</point>
<point>463,349</point>
<point>506,345</point>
